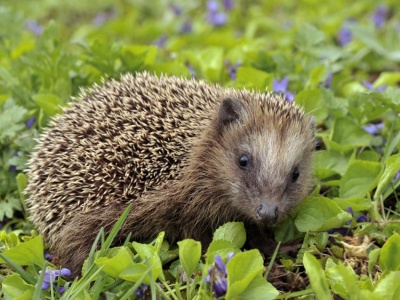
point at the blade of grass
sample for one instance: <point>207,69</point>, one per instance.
<point>271,262</point>
<point>17,268</point>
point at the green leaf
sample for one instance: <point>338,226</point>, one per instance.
<point>30,252</point>
<point>252,78</point>
<point>387,78</point>
<point>16,288</point>
<point>320,214</point>
<point>259,289</point>
<point>117,263</point>
<point>242,269</point>
<point>317,277</point>
<point>316,76</point>
<point>357,204</point>
<point>135,272</point>
<point>349,134</point>
<point>308,36</point>
<point>329,163</point>
<point>11,119</point>
<point>389,259</point>
<point>221,247</point>
<point>373,257</point>
<point>149,253</point>
<point>211,62</point>
<point>366,35</point>
<point>50,103</point>
<point>287,231</point>
<point>22,183</point>
<point>388,287</point>
<point>189,255</point>
<point>233,232</point>
<point>359,179</point>
<point>310,100</point>
<point>342,280</point>
<point>392,166</point>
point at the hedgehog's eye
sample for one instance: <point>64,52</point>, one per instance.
<point>244,161</point>
<point>295,174</point>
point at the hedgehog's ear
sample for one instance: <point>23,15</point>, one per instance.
<point>231,110</point>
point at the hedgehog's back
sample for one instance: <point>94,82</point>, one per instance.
<point>114,144</point>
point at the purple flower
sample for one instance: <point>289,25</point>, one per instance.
<point>397,176</point>
<point>342,231</point>
<point>350,211</point>
<point>13,168</point>
<point>141,290</point>
<point>217,275</point>
<point>50,276</point>
<point>34,27</point>
<point>281,87</point>
<point>48,256</point>
<point>228,4</point>
<point>176,9</point>
<point>344,36</point>
<point>370,87</point>
<point>161,41</point>
<point>219,264</point>
<point>373,128</point>
<point>191,70</point>
<point>328,81</point>
<point>102,17</point>
<point>232,68</point>
<point>379,16</point>
<point>347,231</point>
<point>362,218</point>
<point>30,122</point>
<point>212,6</point>
<point>186,27</point>
<point>214,15</point>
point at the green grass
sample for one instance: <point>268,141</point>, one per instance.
<point>347,230</point>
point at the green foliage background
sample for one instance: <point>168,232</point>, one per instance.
<point>49,49</point>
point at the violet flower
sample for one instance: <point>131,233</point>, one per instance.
<point>48,256</point>
<point>176,9</point>
<point>13,168</point>
<point>347,231</point>
<point>30,122</point>
<point>397,176</point>
<point>379,16</point>
<point>186,27</point>
<point>232,68</point>
<point>214,15</point>
<point>281,87</point>
<point>217,276</point>
<point>373,128</point>
<point>140,291</point>
<point>191,70</point>
<point>370,87</point>
<point>50,278</point>
<point>161,41</point>
<point>102,17</point>
<point>34,27</point>
<point>328,81</point>
<point>344,36</point>
<point>362,218</point>
<point>228,4</point>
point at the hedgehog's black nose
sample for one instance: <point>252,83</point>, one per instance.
<point>267,213</point>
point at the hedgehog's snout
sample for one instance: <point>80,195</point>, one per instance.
<point>267,213</point>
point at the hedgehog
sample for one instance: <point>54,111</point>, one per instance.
<point>187,155</point>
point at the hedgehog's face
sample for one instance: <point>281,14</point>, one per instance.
<point>269,168</point>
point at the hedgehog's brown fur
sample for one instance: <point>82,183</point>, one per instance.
<point>171,147</point>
